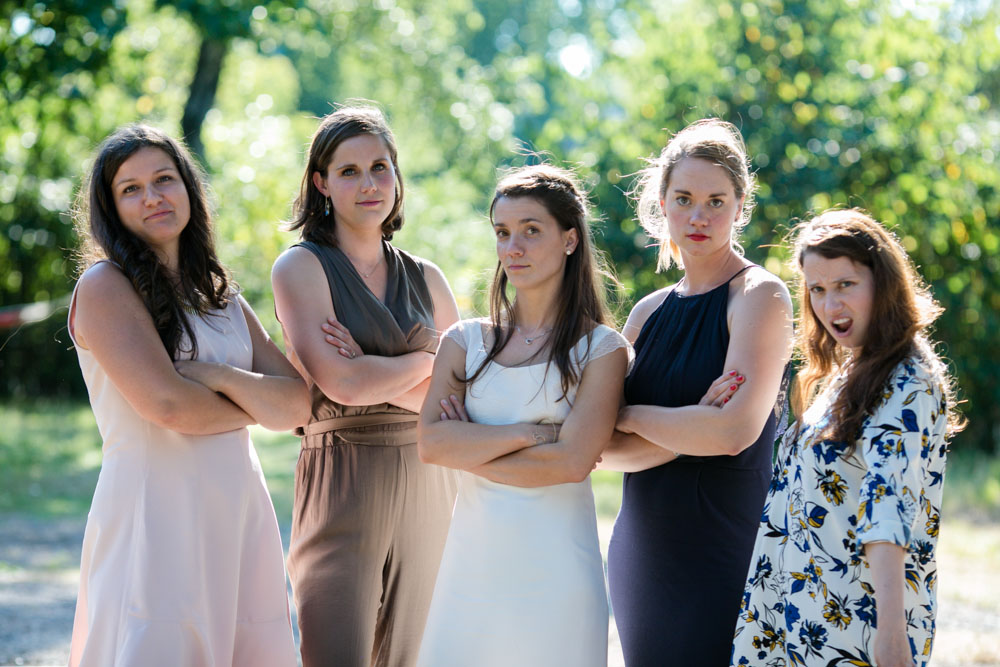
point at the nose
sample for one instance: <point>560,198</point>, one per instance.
<point>512,246</point>
<point>698,215</point>
<point>368,183</point>
<point>152,196</point>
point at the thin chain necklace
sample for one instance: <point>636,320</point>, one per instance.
<point>528,340</point>
<point>364,275</point>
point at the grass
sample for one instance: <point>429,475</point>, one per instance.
<point>50,454</point>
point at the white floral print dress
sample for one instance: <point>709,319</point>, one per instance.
<point>809,598</point>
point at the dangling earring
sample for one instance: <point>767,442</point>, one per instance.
<point>326,207</point>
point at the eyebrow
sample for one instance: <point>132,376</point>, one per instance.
<point>128,180</point>
<point>520,222</point>
<point>352,164</point>
<point>714,194</point>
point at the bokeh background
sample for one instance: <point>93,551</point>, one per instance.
<point>889,105</point>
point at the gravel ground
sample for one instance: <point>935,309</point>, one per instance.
<point>39,571</point>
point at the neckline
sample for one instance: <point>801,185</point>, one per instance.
<point>714,289</point>
<point>389,267</point>
<point>494,362</point>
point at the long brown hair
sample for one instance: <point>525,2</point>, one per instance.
<point>708,139</point>
<point>583,300</point>
<point>310,214</point>
<point>902,312</point>
<point>201,283</point>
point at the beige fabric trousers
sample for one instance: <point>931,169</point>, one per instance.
<point>368,528</point>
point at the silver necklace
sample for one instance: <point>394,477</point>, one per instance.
<point>529,340</point>
<point>365,276</point>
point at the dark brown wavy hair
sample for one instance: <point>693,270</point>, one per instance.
<point>582,303</point>
<point>201,283</point>
<point>309,210</point>
<point>903,309</point>
<point>711,139</point>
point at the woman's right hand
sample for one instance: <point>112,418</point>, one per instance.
<point>722,389</point>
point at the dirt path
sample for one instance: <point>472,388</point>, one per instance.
<point>39,571</point>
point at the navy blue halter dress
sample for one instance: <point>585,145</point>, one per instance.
<point>681,545</point>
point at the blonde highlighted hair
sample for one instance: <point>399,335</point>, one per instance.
<point>708,139</point>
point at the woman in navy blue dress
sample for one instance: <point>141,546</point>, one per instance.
<point>696,453</point>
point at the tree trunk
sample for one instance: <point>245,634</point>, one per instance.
<point>202,95</point>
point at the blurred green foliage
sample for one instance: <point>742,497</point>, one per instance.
<point>888,105</point>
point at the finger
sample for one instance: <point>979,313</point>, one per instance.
<point>444,417</point>
<point>459,408</point>
<point>449,409</point>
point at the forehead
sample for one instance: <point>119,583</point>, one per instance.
<point>361,148</point>
<point>694,174</point>
<point>817,268</point>
<point>513,210</point>
<point>145,160</point>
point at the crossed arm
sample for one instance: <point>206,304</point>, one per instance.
<point>647,436</point>
<point>326,352</point>
<point>109,319</point>
<point>519,454</point>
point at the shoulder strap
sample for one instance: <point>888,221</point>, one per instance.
<point>736,275</point>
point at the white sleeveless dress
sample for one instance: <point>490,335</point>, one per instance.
<point>182,561</point>
<point>521,580</point>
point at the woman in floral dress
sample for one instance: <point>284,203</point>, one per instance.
<point>843,571</point>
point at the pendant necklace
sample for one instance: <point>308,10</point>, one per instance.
<point>363,275</point>
<point>533,338</point>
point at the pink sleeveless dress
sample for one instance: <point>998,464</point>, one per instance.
<point>182,561</point>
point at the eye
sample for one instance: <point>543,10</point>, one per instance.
<point>683,200</point>
<point>844,284</point>
<point>164,178</point>
<point>501,233</point>
<point>349,171</point>
<point>816,289</point>
<point>128,189</point>
<point>532,231</point>
<point>716,203</point>
<point>381,166</point>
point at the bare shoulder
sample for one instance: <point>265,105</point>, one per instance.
<point>295,263</point>
<point>642,311</point>
<point>757,288</point>
<point>105,283</point>
<point>434,275</point>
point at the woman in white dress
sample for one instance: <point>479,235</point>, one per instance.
<point>182,560</point>
<point>523,403</point>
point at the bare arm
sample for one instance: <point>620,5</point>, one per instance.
<point>110,320</point>
<point>582,436</point>
<point>759,347</point>
<point>891,646</point>
<point>302,301</point>
<point>464,444</point>
<point>272,392</point>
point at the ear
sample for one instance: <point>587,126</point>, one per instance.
<point>320,184</point>
<point>739,209</point>
<point>571,239</point>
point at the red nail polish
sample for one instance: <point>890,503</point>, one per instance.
<point>732,372</point>
<point>732,387</point>
<point>739,379</point>
<point>725,400</point>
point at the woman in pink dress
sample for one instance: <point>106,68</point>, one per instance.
<point>182,560</point>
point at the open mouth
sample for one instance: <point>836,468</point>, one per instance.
<point>842,324</point>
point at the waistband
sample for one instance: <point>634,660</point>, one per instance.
<point>353,421</point>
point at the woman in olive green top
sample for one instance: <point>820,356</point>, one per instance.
<point>361,321</point>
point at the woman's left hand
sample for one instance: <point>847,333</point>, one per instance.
<point>453,409</point>
<point>337,334</point>
<point>722,389</point>
<point>208,373</point>
<point>892,648</point>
